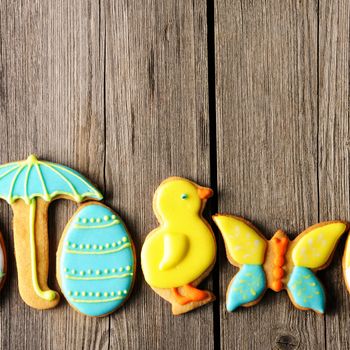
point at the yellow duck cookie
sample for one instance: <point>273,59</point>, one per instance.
<point>181,252</point>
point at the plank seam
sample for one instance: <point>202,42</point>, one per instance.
<point>213,156</point>
<point>104,52</point>
<point>318,135</point>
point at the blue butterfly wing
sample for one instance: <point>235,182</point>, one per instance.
<point>247,286</point>
<point>306,290</point>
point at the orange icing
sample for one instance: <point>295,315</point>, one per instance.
<point>279,248</point>
<point>191,294</point>
<point>278,272</point>
<point>277,285</point>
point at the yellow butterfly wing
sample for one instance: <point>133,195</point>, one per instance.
<point>244,244</point>
<point>315,246</point>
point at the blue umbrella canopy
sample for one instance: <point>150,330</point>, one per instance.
<point>33,178</point>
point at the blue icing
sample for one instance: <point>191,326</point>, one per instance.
<point>247,286</point>
<point>97,258</point>
<point>33,178</point>
<point>306,290</point>
<point>80,183</point>
<point>53,181</point>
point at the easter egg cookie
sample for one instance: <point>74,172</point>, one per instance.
<point>96,261</point>
<point>181,252</point>
<point>3,262</point>
<point>29,186</point>
<point>278,264</point>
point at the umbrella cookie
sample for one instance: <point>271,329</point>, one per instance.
<point>181,252</point>
<point>29,186</point>
<point>96,261</point>
<point>3,262</point>
<point>278,263</point>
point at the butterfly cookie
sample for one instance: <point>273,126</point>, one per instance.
<point>278,264</point>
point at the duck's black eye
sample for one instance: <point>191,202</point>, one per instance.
<point>184,196</point>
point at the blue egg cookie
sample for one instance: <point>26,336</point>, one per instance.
<point>96,261</point>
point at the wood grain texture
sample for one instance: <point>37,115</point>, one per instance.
<point>266,86</point>
<point>334,60</point>
<point>157,126</point>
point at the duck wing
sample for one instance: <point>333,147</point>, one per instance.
<point>175,249</point>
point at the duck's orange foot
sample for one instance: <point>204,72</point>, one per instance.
<point>180,299</point>
<point>193,293</point>
<point>190,294</point>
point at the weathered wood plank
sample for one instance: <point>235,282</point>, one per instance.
<point>333,153</point>
<point>157,126</point>
<point>266,68</point>
<point>51,104</point>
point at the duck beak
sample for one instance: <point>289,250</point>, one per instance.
<point>204,192</point>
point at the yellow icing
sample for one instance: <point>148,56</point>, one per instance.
<point>314,249</point>
<point>183,247</point>
<point>243,244</point>
<point>47,294</point>
<point>347,252</point>
<point>175,248</point>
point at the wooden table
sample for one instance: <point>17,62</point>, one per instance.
<point>249,97</point>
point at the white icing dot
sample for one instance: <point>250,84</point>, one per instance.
<point>128,268</point>
<point>124,239</point>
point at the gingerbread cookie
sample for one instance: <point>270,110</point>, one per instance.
<point>346,263</point>
<point>181,252</point>
<point>278,264</point>
<point>29,186</point>
<point>96,260</point>
<point>3,262</point>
